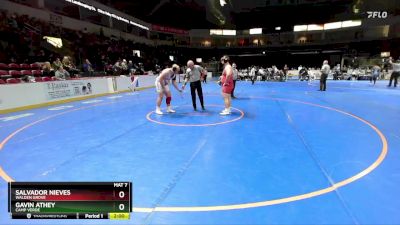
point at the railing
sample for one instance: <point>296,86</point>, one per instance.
<point>32,29</point>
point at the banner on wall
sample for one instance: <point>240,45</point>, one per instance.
<point>64,89</point>
<point>169,30</point>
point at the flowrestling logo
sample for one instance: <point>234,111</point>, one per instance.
<point>377,14</point>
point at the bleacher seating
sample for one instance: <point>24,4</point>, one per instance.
<point>4,73</point>
<point>13,66</point>
<point>26,72</point>
<point>37,73</point>
<point>46,79</point>
<point>3,66</point>
<point>15,70</point>
<point>35,66</point>
<point>24,66</point>
<point>13,80</point>
<point>15,73</point>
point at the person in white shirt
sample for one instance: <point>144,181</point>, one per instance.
<point>396,72</point>
<point>299,68</point>
<point>324,75</point>
<point>235,77</point>
<point>375,73</point>
<point>194,75</point>
<point>62,74</point>
<point>253,74</point>
<point>162,87</point>
<point>134,82</point>
<point>285,72</point>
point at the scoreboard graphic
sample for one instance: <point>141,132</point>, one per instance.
<point>70,200</point>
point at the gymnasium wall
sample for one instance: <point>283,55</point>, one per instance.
<point>31,95</point>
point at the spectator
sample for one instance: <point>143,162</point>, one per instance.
<point>253,72</point>
<point>88,68</point>
<point>57,63</point>
<point>28,79</point>
<point>13,21</point>
<point>41,56</point>
<point>47,70</point>
<point>124,66</point>
<point>337,72</point>
<point>69,66</point>
<point>62,74</point>
<point>131,68</point>
<point>375,73</point>
<point>285,71</point>
<point>117,68</point>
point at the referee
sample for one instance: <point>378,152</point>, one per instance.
<point>324,75</point>
<point>194,75</point>
<point>396,71</point>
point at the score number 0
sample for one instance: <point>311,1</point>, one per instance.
<point>121,195</point>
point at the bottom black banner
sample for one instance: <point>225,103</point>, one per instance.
<point>59,215</point>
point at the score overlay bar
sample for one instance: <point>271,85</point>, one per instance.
<point>69,200</point>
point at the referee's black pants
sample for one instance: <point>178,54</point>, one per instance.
<point>193,87</point>
<point>322,82</point>
<point>394,76</point>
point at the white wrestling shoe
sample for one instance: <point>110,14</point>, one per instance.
<point>159,112</point>
<point>225,112</point>
<point>170,110</point>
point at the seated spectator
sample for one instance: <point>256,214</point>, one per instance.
<point>48,71</point>
<point>88,68</point>
<point>131,68</point>
<point>117,68</point>
<point>57,63</point>
<point>28,79</point>
<point>70,66</point>
<point>41,56</point>
<point>62,74</point>
<point>13,21</point>
<point>124,67</point>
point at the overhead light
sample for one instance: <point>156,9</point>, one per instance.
<point>311,27</point>
<point>304,53</point>
<point>56,42</point>
<point>334,25</point>
<point>351,23</point>
<point>228,32</point>
<point>136,53</point>
<point>277,28</point>
<point>264,52</point>
<point>247,55</point>
<point>222,32</point>
<point>256,31</point>
<point>331,51</point>
<point>300,28</point>
<point>222,2</point>
<point>215,32</point>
